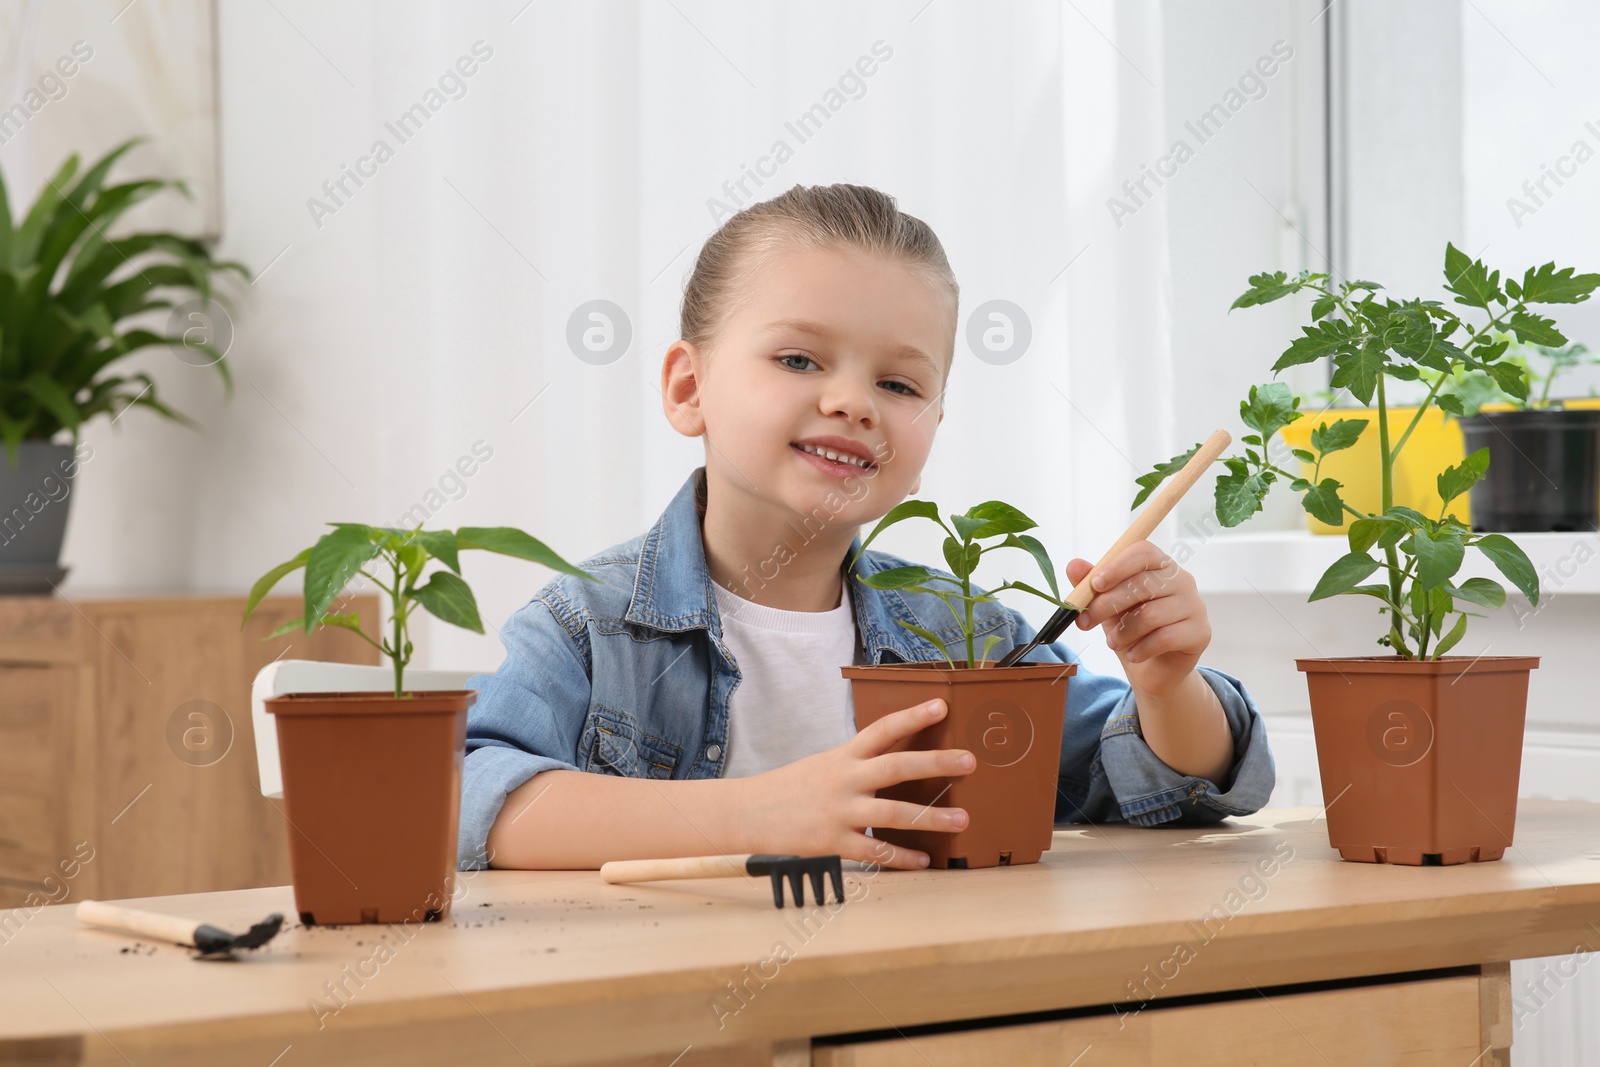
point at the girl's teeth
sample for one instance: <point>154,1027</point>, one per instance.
<point>837,457</point>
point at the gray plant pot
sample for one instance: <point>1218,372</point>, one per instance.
<point>34,498</point>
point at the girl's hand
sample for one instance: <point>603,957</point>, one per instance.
<point>1153,616</point>
<point>821,805</point>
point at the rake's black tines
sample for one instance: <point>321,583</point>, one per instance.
<point>796,868</point>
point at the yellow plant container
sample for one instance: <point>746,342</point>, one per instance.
<point>1434,445</point>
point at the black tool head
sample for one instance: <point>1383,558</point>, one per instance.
<point>796,868</point>
<point>1050,631</point>
<point>217,943</point>
<point>261,932</point>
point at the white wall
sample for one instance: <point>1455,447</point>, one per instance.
<point>425,314</point>
<point>1531,118</point>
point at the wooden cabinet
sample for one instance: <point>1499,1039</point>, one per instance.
<point>1443,1021</point>
<point>127,760</point>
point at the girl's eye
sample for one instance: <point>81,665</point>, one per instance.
<point>794,355</point>
<point>909,390</point>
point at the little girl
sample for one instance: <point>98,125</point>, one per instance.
<point>688,700</point>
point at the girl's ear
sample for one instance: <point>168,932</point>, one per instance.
<point>680,389</point>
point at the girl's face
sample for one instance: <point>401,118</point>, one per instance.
<point>833,349</point>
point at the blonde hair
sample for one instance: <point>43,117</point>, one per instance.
<point>811,216</point>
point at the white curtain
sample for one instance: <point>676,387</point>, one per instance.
<point>16,53</point>
<point>584,161</point>
<point>1118,289</point>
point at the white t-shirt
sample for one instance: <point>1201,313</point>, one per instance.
<point>791,700</point>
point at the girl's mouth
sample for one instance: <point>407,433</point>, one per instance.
<point>840,468</point>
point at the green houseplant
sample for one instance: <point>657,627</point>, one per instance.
<point>74,301</point>
<point>372,781</point>
<point>1419,751</point>
<point>1010,719</point>
<point>1477,389</point>
<point>1545,473</point>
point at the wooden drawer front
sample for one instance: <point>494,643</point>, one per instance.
<point>37,629</point>
<point>38,706</point>
<point>1439,1021</point>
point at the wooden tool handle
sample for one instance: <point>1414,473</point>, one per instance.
<point>1145,523</point>
<point>673,867</point>
<point>133,921</point>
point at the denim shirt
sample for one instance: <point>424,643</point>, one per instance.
<point>630,676</point>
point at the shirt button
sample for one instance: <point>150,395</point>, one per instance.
<point>714,753</point>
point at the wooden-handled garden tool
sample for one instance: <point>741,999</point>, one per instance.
<point>1143,525</point>
<point>213,942</point>
<point>779,867</point>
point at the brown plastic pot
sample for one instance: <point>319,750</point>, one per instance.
<point>1420,759</point>
<point>1010,719</point>
<point>372,792</point>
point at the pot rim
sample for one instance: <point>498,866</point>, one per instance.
<point>372,702</point>
<point>1396,665</point>
<point>926,670</point>
<point>1552,419</point>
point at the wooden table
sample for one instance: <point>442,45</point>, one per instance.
<point>1144,946</point>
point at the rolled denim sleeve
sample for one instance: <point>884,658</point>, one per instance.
<point>1109,774</point>
<point>527,716</point>
<point>1148,792</point>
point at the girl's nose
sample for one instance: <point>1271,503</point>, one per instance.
<point>848,396</point>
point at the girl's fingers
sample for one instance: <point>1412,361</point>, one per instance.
<point>892,768</point>
<point>1143,586</point>
<point>1114,602</point>
<point>1136,558</point>
<point>1113,572</point>
<point>904,815</point>
<point>1129,628</point>
<point>864,849</point>
<point>894,727</point>
<point>1109,604</point>
<point>1180,637</point>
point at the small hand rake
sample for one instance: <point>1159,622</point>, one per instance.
<point>795,868</point>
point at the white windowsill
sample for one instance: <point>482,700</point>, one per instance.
<point>1291,561</point>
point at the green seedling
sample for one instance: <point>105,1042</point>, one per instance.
<point>338,557</point>
<point>1372,341</point>
<point>962,552</point>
